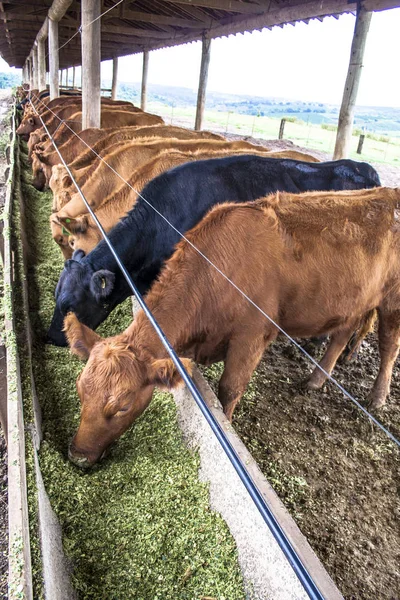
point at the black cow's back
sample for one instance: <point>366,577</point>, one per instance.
<point>183,195</point>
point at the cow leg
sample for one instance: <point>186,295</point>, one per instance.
<point>241,360</point>
<point>389,344</point>
<point>336,346</point>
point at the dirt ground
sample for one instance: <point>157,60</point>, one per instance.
<point>4,104</point>
<point>335,471</point>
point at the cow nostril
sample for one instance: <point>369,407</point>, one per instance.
<point>79,461</point>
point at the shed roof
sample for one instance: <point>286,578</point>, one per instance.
<point>137,25</point>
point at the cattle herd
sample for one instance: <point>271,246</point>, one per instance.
<point>314,245</point>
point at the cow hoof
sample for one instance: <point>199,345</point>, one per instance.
<point>314,383</point>
<point>375,403</point>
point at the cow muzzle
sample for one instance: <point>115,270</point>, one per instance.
<point>83,461</point>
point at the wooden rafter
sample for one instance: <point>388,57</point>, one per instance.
<point>135,25</point>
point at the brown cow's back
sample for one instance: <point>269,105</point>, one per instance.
<point>313,263</point>
<point>115,206</point>
<point>99,181</point>
<point>146,132</point>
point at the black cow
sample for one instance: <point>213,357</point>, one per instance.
<point>91,286</point>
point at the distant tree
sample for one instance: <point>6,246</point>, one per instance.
<point>8,80</point>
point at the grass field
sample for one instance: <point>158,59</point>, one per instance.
<point>310,136</point>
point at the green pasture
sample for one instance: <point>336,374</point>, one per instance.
<point>383,149</point>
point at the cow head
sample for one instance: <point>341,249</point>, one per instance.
<point>84,291</point>
<point>61,185</point>
<point>114,388</point>
<point>61,237</point>
<point>34,139</point>
<point>28,124</point>
<point>39,177</point>
<point>84,234</point>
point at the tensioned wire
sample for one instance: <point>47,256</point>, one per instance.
<point>80,29</point>
<point>269,518</point>
<point>298,346</point>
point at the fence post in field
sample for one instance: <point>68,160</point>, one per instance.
<point>281,129</point>
<point>360,143</point>
<point>346,115</point>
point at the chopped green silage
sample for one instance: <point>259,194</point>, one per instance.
<point>19,334</point>
<point>139,524</point>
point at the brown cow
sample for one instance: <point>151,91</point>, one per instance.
<point>85,235</point>
<point>314,262</point>
<point>52,118</point>
<point>84,156</point>
<point>41,171</point>
<point>127,157</point>
<point>117,198</point>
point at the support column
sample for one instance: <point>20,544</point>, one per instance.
<point>30,63</point>
<point>73,77</point>
<point>114,84</point>
<point>346,115</point>
<point>91,58</point>
<point>41,66</point>
<point>143,96</point>
<point>35,68</point>
<point>201,94</point>
<point>53,59</point>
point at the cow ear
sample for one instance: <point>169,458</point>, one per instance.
<point>78,225</point>
<point>80,338</point>
<point>66,180</point>
<point>102,283</point>
<point>164,373</point>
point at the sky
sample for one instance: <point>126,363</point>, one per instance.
<point>301,62</point>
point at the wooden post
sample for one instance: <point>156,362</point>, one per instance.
<point>346,115</point>
<point>143,96</point>
<point>281,129</point>
<point>360,143</point>
<point>201,94</point>
<point>91,57</point>
<point>41,66</point>
<point>114,84</point>
<point>73,77</point>
<point>31,73</point>
<point>35,68</point>
<point>53,59</point>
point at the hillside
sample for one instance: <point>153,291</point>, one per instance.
<point>383,120</point>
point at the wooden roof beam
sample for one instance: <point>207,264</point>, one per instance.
<point>135,31</point>
<point>197,13</point>
<point>135,15</point>
<point>228,5</point>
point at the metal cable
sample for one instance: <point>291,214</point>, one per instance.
<point>80,29</point>
<point>298,346</point>
<point>303,575</point>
